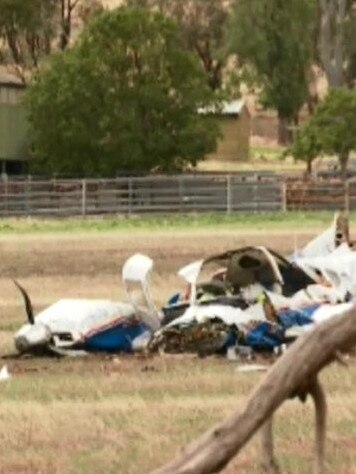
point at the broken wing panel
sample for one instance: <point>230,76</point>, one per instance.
<point>329,240</point>
<point>82,315</point>
<point>135,276</point>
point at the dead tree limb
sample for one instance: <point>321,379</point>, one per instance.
<point>318,394</point>
<point>288,377</point>
<point>269,464</point>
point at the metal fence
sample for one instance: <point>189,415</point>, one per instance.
<point>176,194</point>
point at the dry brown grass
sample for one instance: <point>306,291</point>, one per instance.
<point>127,415</point>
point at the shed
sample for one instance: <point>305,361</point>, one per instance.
<point>234,121</point>
<point>13,125</point>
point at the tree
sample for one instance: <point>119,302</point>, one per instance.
<point>26,31</point>
<point>32,29</point>
<point>306,145</point>
<point>350,45</point>
<point>125,97</point>
<point>335,124</point>
<point>275,40</point>
<point>331,130</point>
<point>203,26</point>
<point>66,10</point>
<point>337,51</point>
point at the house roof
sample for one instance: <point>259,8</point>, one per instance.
<point>234,107</point>
<point>10,80</point>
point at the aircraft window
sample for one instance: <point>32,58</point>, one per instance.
<point>247,262</point>
<point>64,336</point>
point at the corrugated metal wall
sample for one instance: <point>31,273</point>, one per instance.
<point>13,124</point>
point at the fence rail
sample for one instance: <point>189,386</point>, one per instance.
<point>176,194</point>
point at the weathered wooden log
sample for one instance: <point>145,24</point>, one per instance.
<point>291,375</point>
<point>317,392</point>
<point>269,463</point>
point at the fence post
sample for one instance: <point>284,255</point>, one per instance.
<point>30,188</point>
<point>130,196</point>
<point>84,197</point>
<point>284,196</point>
<point>6,189</point>
<point>181,194</point>
<point>26,196</point>
<point>228,194</point>
<point>347,196</point>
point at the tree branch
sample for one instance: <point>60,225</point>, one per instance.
<point>318,394</point>
<point>269,464</point>
<point>71,6</point>
<point>289,376</point>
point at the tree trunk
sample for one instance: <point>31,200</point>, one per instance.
<point>67,7</point>
<point>318,394</point>
<point>284,130</point>
<point>333,14</point>
<point>269,464</point>
<point>343,160</point>
<point>313,97</point>
<point>309,167</point>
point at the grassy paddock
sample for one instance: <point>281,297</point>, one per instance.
<point>127,415</point>
<point>282,222</point>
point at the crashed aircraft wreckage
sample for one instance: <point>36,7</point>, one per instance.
<point>246,298</point>
<point>94,325</point>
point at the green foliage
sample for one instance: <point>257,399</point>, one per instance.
<point>125,97</point>
<point>336,46</point>
<point>350,46</point>
<point>203,26</point>
<point>255,222</point>
<point>331,130</point>
<point>26,30</point>
<point>274,38</point>
<point>30,30</point>
<point>335,122</point>
<point>306,146</point>
<point>25,15</point>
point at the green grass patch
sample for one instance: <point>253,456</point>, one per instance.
<point>261,159</point>
<point>267,152</point>
<point>244,221</point>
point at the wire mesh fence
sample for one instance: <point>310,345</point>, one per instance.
<point>171,194</point>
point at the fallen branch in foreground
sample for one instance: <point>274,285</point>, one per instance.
<point>293,375</point>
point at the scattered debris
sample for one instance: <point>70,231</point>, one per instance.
<point>251,368</point>
<point>74,326</point>
<point>4,374</point>
<point>236,303</point>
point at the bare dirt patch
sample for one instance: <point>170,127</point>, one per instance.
<point>101,254</point>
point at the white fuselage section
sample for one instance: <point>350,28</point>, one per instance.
<point>74,318</point>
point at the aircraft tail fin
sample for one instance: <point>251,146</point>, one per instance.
<point>28,303</point>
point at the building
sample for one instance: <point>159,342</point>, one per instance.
<point>235,128</point>
<point>13,125</point>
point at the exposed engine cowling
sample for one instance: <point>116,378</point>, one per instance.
<point>30,337</point>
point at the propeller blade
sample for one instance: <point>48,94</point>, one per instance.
<point>28,303</point>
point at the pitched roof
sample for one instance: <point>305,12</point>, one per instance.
<point>10,80</point>
<point>226,108</point>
